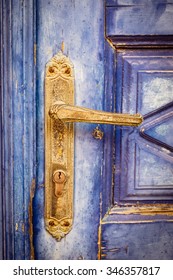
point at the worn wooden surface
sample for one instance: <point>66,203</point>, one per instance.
<point>79,25</point>
<point>61,24</point>
<point>144,165</point>
<point>145,234</point>
<point>18,125</point>
<point>149,241</point>
<point>139,17</point>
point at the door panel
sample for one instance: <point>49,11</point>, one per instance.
<point>138,17</point>
<point>140,220</point>
<point>80,32</point>
<point>147,241</point>
<point>144,164</point>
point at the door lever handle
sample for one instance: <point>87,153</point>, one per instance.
<point>70,113</point>
<point>59,141</point>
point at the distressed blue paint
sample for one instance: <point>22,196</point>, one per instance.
<point>143,84</point>
<point>144,168</point>
<point>1,148</point>
<point>150,241</point>
<point>157,83</point>
<point>6,152</point>
<point>29,138</point>
<point>81,32</point>
<point>18,125</point>
<point>23,121</point>
<point>109,105</point>
<point>161,132</point>
<point>142,17</point>
<point>17,92</point>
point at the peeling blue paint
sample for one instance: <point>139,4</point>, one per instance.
<point>80,26</point>
<point>81,33</point>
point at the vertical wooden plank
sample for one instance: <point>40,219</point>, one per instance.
<point>79,25</point>
<point>29,155</point>
<point>109,106</point>
<point>1,142</point>
<point>23,121</point>
<point>18,125</point>
<point>6,119</point>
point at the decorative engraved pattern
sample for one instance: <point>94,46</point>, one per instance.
<point>58,140</point>
<point>59,87</point>
<point>58,228</point>
<point>60,66</point>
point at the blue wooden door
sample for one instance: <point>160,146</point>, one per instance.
<point>122,53</point>
<point>139,223</point>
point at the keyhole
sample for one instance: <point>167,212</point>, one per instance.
<point>59,178</point>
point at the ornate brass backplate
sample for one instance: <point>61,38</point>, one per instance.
<point>60,114</point>
<point>59,148</point>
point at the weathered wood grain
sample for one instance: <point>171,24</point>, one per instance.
<point>79,25</point>
<point>140,17</point>
<point>78,28</point>
<point>150,241</point>
<point>18,125</point>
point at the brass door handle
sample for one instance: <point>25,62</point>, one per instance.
<point>70,113</point>
<point>59,141</point>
